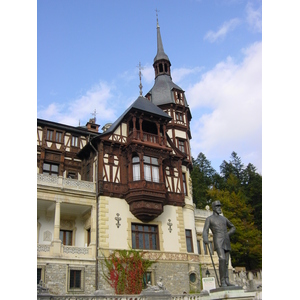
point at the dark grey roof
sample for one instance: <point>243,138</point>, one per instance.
<point>142,104</point>
<point>161,93</point>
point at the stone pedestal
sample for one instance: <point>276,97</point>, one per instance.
<point>230,292</point>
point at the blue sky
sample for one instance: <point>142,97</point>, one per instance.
<point>88,52</point>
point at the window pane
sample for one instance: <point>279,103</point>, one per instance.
<point>58,137</point>
<point>46,167</point>
<point>77,279</point>
<point>74,141</point>
<point>154,244</point>
<point>49,135</point>
<point>154,161</point>
<point>147,159</point>
<point>135,159</point>
<point>141,244</point>
<point>147,241</point>
<point>39,275</point>
<point>147,172</point>
<point>72,274</point>
<point>136,172</point>
<point>133,240</point>
<point>54,168</point>
<point>155,174</point>
<point>68,238</point>
<point>189,245</point>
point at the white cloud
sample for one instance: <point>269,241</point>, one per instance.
<point>212,36</point>
<point>233,95</point>
<point>254,18</point>
<point>180,73</point>
<point>98,97</point>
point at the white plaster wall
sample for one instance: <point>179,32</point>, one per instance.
<point>47,224</point>
<point>80,231</point>
<point>180,134</point>
<point>118,237</point>
<point>124,129</point>
<point>170,239</point>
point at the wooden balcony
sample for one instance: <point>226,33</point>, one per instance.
<point>146,199</point>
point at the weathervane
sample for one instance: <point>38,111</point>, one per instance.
<point>140,75</point>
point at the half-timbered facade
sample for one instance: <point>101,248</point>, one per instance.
<point>126,187</point>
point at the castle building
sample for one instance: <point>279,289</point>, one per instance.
<point>127,187</point>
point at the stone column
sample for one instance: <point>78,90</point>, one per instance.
<point>56,241</point>
<point>93,230</point>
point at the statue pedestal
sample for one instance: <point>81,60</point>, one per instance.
<point>230,292</point>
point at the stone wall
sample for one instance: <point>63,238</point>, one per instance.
<point>56,278</point>
<point>175,276</point>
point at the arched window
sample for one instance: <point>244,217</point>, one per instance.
<point>136,171</point>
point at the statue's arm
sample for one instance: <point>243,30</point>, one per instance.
<point>232,228</point>
<point>205,231</point>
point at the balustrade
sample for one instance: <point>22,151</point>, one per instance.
<point>62,182</point>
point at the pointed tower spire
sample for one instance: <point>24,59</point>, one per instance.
<point>160,49</point>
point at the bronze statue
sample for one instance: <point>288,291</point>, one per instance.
<point>218,224</point>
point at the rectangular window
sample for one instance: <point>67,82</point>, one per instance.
<point>144,237</point>
<point>74,142</point>
<point>147,279</point>
<point>75,279</point>
<point>181,145</point>
<point>58,137</point>
<point>179,116</point>
<point>151,169</point>
<point>51,169</point>
<point>136,168</point>
<point>50,134</point>
<point>189,240</point>
<point>184,184</point>
<point>66,237</point>
<point>72,175</point>
<point>39,275</point>
<point>88,236</point>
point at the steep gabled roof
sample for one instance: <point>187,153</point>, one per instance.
<point>141,104</point>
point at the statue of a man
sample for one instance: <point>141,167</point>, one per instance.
<point>218,224</point>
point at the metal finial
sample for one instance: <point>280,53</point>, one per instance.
<point>157,17</point>
<point>140,75</point>
<point>94,114</point>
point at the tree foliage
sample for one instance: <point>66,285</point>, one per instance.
<point>239,189</point>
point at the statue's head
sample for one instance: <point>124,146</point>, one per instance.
<point>216,206</point>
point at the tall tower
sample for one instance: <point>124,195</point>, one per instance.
<point>171,98</point>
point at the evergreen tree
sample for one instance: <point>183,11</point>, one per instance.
<point>203,175</point>
<point>252,187</point>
